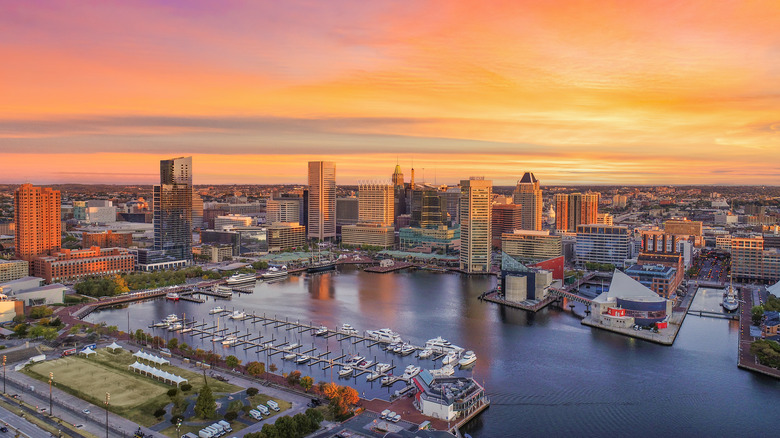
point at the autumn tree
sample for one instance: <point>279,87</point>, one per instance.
<point>255,369</point>
<point>342,398</point>
<point>307,382</point>
<point>232,361</point>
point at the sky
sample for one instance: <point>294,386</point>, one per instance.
<point>578,92</point>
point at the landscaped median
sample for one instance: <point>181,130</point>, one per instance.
<point>133,396</point>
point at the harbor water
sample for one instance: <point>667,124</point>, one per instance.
<point>546,374</point>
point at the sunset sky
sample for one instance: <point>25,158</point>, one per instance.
<point>578,92</point>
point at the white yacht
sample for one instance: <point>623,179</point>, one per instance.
<point>217,309</point>
<point>411,371</point>
<point>217,339</point>
<point>302,359</point>
<point>290,356</point>
<point>450,358</point>
<point>397,348</point>
<point>237,314</point>
<point>373,376</point>
<point>425,354</point>
<point>388,379</point>
<point>346,371</point>
<point>407,349</point>
<point>348,330</point>
<point>237,279</point>
<point>384,335</point>
<point>382,367</point>
<point>186,329</point>
<point>175,326</point>
<point>322,331</point>
<point>354,360</point>
<point>446,370</point>
<point>467,359</point>
<point>292,346</point>
<point>170,319</point>
<point>366,363</point>
<point>274,273</point>
<point>230,340</point>
<point>442,345</point>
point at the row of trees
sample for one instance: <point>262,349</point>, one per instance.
<point>605,267</point>
<point>297,426</point>
<point>768,352</point>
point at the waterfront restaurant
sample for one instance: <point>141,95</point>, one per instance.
<point>448,398</point>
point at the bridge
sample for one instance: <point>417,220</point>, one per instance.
<point>569,296</point>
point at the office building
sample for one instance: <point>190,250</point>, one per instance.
<point>529,246</point>
<point>656,277</point>
<point>750,261</point>
<point>576,209</point>
<point>442,239</point>
<point>106,239</point>
<point>347,211</point>
<point>80,263</point>
<point>283,210</point>
<point>606,244</point>
<point>429,210</point>
<point>375,203</point>
<point>368,234</point>
<point>213,253</point>
<point>37,219</point>
<point>100,211</point>
<point>322,200</point>
<point>232,220</point>
<point>399,193</point>
<point>475,225</point>
<point>506,219</point>
<point>13,269</point>
<point>619,201</point>
<point>173,209</point>
<point>529,196</point>
<point>197,210</point>
<point>80,210</point>
<point>284,236</point>
<point>451,198</point>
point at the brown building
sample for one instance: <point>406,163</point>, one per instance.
<point>74,264</point>
<point>685,228</point>
<point>37,219</point>
<point>108,239</point>
<point>660,249</point>
<point>506,219</point>
<point>576,209</point>
<point>285,235</point>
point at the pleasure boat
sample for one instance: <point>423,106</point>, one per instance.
<point>411,371</point>
<point>322,331</point>
<point>237,279</point>
<point>366,363</point>
<point>274,273</point>
<point>467,359</point>
<point>450,358</point>
<point>397,348</point>
<point>217,309</point>
<point>425,354</point>
<point>373,376</point>
<point>173,296</point>
<point>387,380</point>
<point>442,345</point>
<point>175,326</point>
<point>292,346</point>
<point>346,371</point>
<point>446,370</point>
<point>382,367</point>
<point>186,329</point>
<point>384,335</point>
<point>303,359</point>
<point>230,340</point>
<point>290,356</point>
<point>407,349</point>
<point>354,360</point>
<point>391,347</point>
<point>170,319</point>
<point>237,314</point>
<point>160,324</point>
<point>348,330</point>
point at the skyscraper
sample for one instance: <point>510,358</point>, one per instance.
<point>475,225</point>
<point>399,193</point>
<point>561,211</point>
<point>322,200</point>
<point>429,210</point>
<point>37,218</point>
<point>529,196</point>
<point>173,209</point>
<point>576,209</point>
<point>375,202</point>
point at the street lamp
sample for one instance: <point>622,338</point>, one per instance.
<point>51,379</point>
<point>108,397</point>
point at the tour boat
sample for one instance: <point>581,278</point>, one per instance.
<point>237,314</point>
<point>384,335</point>
<point>348,330</point>
<point>173,296</point>
<point>450,358</point>
<point>322,331</point>
<point>425,354</point>
<point>446,370</point>
<point>217,309</point>
<point>222,289</point>
<point>346,371</point>
<point>237,279</point>
<point>274,273</point>
<point>467,359</point>
<point>382,367</point>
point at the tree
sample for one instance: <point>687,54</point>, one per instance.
<point>205,405</point>
<point>756,314</point>
<point>173,343</point>
<point>232,361</point>
<point>20,330</point>
<point>40,312</point>
<point>255,369</point>
<point>342,398</point>
<point>307,382</point>
<point>252,391</point>
<point>294,377</point>
<point>273,368</point>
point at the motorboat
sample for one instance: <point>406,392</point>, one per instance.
<point>468,359</point>
<point>173,296</point>
<point>442,345</point>
<point>290,356</point>
<point>217,339</point>
<point>170,319</point>
<point>217,309</point>
<point>397,348</point>
<point>175,326</point>
<point>407,349</point>
<point>237,314</point>
<point>373,376</point>
<point>346,371</point>
<point>384,335</point>
<point>292,346</point>
<point>450,358</point>
<point>160,324</point>
<point>302,359</point>
<point>446,370</point>
<point>366,363</point>
<point>410,372</point>
<point>425,354</point>
<point>382,367</point>
<point>348,330</point>
<point>186,330</point>
<point>388,380</point>
<point>237,279</point>
<point>230,340</point>
<point>322,331</point>
<point>354,360</point>
<point>274,273</point>
<point>390,347</point>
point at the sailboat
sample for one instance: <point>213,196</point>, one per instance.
<point>319,264</point>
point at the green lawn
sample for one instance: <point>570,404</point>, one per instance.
<point>133,396</point>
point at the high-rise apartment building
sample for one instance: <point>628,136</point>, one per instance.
<point>283,210</point>
<point>173,209</point>
<point>528,195</point>
<point>375,203</point>
<point>475,225</point>
<point>37,219</point>
<point>576,209</point>
<point>322,200</point>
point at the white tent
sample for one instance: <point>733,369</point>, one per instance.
<point>775,289</point>
<point>151,358</point>
<point>114,346</point>
<point>87,351</point>
<point>157,373</point>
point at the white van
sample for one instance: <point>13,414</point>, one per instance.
<point>205,434</point>
<point>263,409</point>
<point>256,414</point>
<point>225,425</point>
<point>273,405</point>
<point>214,432</point>
<point>218,427</point>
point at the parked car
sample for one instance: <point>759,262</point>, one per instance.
<point>86,411</point>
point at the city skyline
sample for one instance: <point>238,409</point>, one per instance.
<point>606,93</point>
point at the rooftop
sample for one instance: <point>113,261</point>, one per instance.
<point>625,287</point>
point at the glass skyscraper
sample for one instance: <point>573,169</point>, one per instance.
<point>173,209</point>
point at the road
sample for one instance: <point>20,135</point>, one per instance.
<point>14,421</point>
